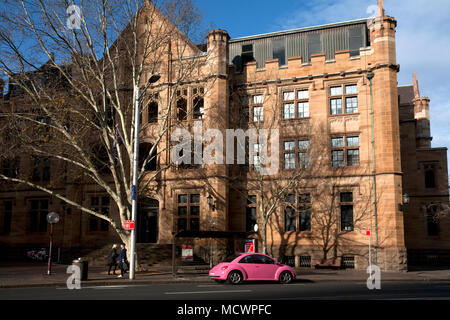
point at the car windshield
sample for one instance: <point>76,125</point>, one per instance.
<point>231,258</point>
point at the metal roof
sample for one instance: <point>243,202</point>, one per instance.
<point>280,33</point>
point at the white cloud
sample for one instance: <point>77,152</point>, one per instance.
<point>423,45</point>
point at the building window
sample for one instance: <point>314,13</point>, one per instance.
<point>289,155</point>
<point>41,169</point>
<point>314,44</point>
<point>153,112</point>
<point>293,148</point>
<point>182,109</point>
<point>10,167</point>
<point>300,207</point>
<point>5,222</point>
<point>305,261</point>
<point>346,204</point>
<point>44,130</point>
<point>344,93</point>
<point>345,151</point>
<point>279,50</point>
<point>290,217</point>
<point>303,154</point>
<point>99,204</point>
<point>432,221</point>
<point>38,215</point>
<point>304,209</point>
<point>250,214</point>
<point>199,108</point>
<point>289,111</point>
<point>144,151</point>
<point>188,212</point>
<point>247,53</point>
<point>258,109</point>
<point>299,98</point>
<point>348,262</point>
<point>257,157</point>
<point>430,178</point>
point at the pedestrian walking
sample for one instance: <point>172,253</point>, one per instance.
<point>112,259</point>
<point>123,263</point>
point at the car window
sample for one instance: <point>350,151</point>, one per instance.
<point>247,259</point>
<point>231,258</point>
<point>263,259</point>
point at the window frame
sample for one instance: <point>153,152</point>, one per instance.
<point>343,96</point>
<point>295,103</point>
<point>346,204</point>
<point>296,151</point>
<point>298,207</point>
<point>101,226</point>
<point>41,215</point>
<point>344,149</point>
<point>251,205</point>
<point>188,205</point>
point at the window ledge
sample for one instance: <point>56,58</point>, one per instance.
<point>344,115</point>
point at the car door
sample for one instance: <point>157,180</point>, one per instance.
<point>265,267</point>
<point>250,267</point>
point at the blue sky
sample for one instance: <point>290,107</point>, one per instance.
<point>423,37</point>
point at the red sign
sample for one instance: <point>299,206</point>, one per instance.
<point>368,232</point>
<point>129,225</point>
<point>250,246</point>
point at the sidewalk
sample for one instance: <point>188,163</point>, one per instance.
<point>34,274</point>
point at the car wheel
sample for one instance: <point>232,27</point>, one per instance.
<point>285,277</point>
<point>219,281</point>
<point>235,277</point>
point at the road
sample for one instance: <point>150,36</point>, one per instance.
<point>261,291</point>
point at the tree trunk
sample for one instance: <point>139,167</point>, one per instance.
<point>264,239</point>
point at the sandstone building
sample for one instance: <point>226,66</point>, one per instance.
<point>318,87</point>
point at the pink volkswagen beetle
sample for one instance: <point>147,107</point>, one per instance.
<point>252,267</point>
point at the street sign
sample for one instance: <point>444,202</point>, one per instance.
<point>250,246</point>
<point>187,252</point>
<point>368,232</point>
<point>129,225</point>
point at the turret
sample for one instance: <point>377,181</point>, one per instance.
<point>422,116</point>
<point>218,51</point>
<point>382,36</point>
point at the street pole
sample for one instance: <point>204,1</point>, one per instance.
<point>52,218</point>
<point>49,267</point>
<point>134,187</point>
<point>370,253</point>
<point>370,76</point>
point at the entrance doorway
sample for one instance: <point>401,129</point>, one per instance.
<point>147,224</point>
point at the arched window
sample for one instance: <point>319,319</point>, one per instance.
<point>182,109</point>
<point>199,109</point>
<point>153,112</point>
<point>430,179</point>
<point>144,150</point>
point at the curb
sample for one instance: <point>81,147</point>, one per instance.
<point>193,281</point>
<point>104,283</point>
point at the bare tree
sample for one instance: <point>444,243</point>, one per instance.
<point>74,78</point>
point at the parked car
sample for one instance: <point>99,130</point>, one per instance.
<point>252,267</point>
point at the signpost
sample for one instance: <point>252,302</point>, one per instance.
<point>369,234</point>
